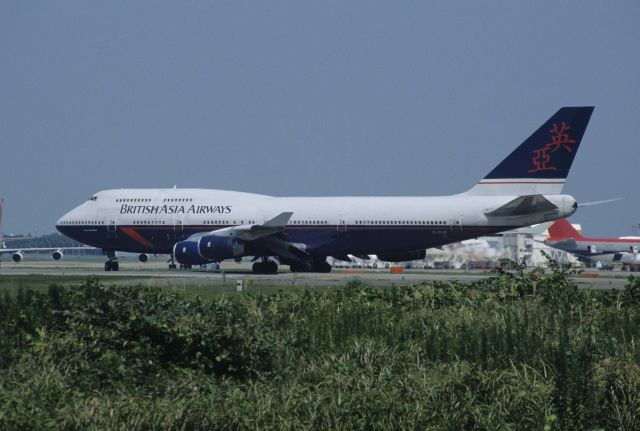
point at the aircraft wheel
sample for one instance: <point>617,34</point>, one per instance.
<point>322,267</point>
<point>115,265</point>
<point>107,265</point>
<point>271,267</point>
<point>172,266</point>
<point>259,268</point>
<point>300,267</point>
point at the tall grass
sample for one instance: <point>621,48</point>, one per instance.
<point>517,351</point>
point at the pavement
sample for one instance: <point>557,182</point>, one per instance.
<point>156,272</point>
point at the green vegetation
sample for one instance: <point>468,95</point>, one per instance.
<point>515,351</point>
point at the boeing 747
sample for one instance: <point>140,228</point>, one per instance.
<point>199,226</point>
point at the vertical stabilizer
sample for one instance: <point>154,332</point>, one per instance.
<point>562,229</point>
<point>541,163</point>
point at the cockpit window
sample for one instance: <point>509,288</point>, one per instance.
<point>93,198</point>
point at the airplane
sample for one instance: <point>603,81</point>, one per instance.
<point>17,254</point>
<point>199,226</point>
<point>563,236</point>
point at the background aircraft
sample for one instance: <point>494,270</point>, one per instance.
<point>564,236</point>
<point>17,254</point>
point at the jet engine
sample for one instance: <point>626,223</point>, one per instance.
<point>186,252</point>
<point>57,255</point>
<point>17,256</point>
<point>217,248</point>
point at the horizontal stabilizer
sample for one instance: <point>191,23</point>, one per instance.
<point>523,205</point>
<point>536,229</point>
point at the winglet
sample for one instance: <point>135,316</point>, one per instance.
<point>280,220</point>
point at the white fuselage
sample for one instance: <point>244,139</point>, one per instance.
<point>152,220</point>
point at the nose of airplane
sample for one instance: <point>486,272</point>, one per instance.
<point>62,221</point>
<point>65,223</point>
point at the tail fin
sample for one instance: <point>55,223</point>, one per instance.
<point>562,229</point>
<point>541,163</point>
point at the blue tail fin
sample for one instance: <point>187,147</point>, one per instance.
<point>541,163</point>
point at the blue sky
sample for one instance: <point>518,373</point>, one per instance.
<point>309,98</point>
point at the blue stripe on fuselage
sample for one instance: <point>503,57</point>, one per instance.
<point>321,240</point>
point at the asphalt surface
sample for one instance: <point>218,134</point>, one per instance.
<point>156,272</point>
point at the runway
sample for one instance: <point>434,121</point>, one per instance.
<point>156,272</point>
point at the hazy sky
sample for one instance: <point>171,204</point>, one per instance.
<point>309,98</point>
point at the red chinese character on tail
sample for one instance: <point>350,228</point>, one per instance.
<point>560,138</point>
<point>541,159</point>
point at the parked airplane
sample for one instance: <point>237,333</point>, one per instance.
<point>563,236</point>
<point>198,226</point>
<point>17,254</point>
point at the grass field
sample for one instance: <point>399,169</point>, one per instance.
<point>514,351</point>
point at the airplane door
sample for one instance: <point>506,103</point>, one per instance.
<point>178,227</point>
<point>342,223</point>
<point>111,220</point>
<point>178,223</point>
<point>455,225</point>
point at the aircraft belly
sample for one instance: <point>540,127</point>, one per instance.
<point>317,240</point>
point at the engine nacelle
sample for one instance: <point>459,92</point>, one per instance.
<point>186,252</point>
<point>57,255</point>
<point>143,257</point>
<point>17,256</point>
<point>402,256</point>
<point>217,248</point>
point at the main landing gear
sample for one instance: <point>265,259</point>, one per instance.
<point>112,263</point>
<point>172,263</point>
<point>267,266</point>
<point>319,265</point>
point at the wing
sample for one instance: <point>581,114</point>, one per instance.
<point>268,236</point>
<point>252,232</point>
